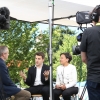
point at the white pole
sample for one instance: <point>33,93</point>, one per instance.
<point>51,16</point>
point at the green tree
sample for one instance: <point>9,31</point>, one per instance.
<point>62,41</point>
<point>67,42</point>
<point>24,40</point>
<point>20,38</point>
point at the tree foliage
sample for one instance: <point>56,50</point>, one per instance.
<point>20,39</point>
<point>24,40</point>
<point>63,40</point>
<point>67,42</point>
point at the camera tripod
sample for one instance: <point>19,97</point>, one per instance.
<point>83,92</point>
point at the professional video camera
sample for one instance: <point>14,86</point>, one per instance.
<point>76,48</point>
<point>81,18</point>
<point>4,18</point>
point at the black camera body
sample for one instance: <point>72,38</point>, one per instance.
<point>85,17</point>
<point>76,48</point>
<point>82,17</point>
<point>4,18</point>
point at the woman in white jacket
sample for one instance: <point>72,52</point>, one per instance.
<point>66,78</point>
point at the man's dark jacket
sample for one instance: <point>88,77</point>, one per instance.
<point>6,84</point>
<point>32,75</point>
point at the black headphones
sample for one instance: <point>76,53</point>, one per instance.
<point>94,15</point>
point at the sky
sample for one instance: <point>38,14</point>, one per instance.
<point>43,27</point>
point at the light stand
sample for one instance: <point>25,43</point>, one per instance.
<point>51,19</point>
<point>51,15</point>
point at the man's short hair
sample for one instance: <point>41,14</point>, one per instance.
<point>67,55</point>
<point>3,49</point>
<point>40,54</point>
<point>95,13</point>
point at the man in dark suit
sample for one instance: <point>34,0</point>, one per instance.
<point>8,88</point>
<point>38,77</point>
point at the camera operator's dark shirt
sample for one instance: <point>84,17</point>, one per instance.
<point>91,45</point>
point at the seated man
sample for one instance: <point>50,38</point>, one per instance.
<point>66,78</point>
<point>38,77</point>
<point>7,87</point>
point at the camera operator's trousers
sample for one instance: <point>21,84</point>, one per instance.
<point>93,90</point>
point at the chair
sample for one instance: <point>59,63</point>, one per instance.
<point>74,96</point>
<point>35,95</point>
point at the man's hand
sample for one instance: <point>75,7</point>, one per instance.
<point>58,87</point>
<point>46,73</point>
<point>63,87</point>
<point>22,74</point>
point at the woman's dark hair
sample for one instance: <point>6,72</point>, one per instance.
<point>67,55</point>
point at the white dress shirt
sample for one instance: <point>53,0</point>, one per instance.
<point>66,75</point>
<point>38,77</point>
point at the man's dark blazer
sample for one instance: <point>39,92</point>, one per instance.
<point>32,75</point>
<point>8,87</point>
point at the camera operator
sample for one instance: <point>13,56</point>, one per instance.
<point>90,54</point>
